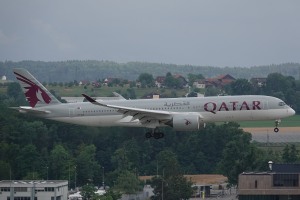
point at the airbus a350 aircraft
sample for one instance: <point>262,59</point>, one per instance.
<point>182,114</point>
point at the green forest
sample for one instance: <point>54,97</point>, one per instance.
<point>32,148</point>
<point>66,71</point>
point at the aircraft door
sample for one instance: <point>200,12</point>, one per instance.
<point>71,112</point>
<point>266,105</point>
<point>75,112</point>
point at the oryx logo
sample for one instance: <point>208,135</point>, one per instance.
<point>34,93</point>
<point>187,122</point>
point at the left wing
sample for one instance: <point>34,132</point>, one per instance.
<point>148,118</point>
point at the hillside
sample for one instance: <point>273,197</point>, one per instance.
<point>66,71</point>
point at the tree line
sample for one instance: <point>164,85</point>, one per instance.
<point>66,71</point>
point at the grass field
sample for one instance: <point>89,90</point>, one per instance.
<point>105,91</point>
<point>293,121</point>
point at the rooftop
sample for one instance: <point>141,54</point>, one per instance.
<point>13,183</point>
<point>286,168</point>
<point>199,179</point>
<point>281,168</point>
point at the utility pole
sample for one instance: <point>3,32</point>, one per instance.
<point>47,172</point>
<point>75,177</point>
<point>162,185</point>
<point>103,178</point>
<point>69,184</point>
<point>156,168</point>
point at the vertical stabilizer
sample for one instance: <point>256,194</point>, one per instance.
<point>36,94</point>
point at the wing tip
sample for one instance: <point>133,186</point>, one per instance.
<point>90,99</point>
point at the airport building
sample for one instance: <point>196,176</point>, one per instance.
<point>280,183</point>
<point>33,190</point>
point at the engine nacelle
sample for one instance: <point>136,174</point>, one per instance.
<point>186,122</point>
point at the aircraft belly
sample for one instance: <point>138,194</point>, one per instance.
<point>271,114</point>
<point>227,116</point>
<point>234,116</point>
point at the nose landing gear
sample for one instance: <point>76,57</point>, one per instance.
<point>276,129</point>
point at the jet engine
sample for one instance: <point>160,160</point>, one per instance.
<point>186,122</point>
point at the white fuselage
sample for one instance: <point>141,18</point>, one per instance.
<point>211,109</point>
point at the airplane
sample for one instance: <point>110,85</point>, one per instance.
<point>182,114</point>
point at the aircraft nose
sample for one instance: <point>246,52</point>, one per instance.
<point>291,111</point>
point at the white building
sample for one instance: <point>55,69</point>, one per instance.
<point>33,190</point>
<point>77,195</point>
<point>199,84</point>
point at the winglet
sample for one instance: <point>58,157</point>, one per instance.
<point>90,99</point>
<point>93,101</point>
<point>118,95</point>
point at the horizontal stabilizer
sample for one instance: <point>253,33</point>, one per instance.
<point>28,109</point>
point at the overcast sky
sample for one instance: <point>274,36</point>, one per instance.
<point>196,32</point>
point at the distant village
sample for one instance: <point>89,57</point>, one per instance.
<point>201,84</point>
<point>217,82</point>
<point>195,87</point>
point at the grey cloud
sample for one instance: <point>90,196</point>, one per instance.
<point>198,32</point>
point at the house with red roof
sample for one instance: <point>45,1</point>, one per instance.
<point>219,81</point>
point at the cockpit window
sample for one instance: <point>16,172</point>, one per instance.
<point>281,104</point>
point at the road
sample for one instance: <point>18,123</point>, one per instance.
<point>267,135</point>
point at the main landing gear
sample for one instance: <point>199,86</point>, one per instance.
<point>154,133</point>
<point>276,129</point>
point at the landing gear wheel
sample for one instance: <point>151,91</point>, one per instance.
<point>276,130</point>
<point>156,135</point>
<point>148,135</point>
<point>161,134</point>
